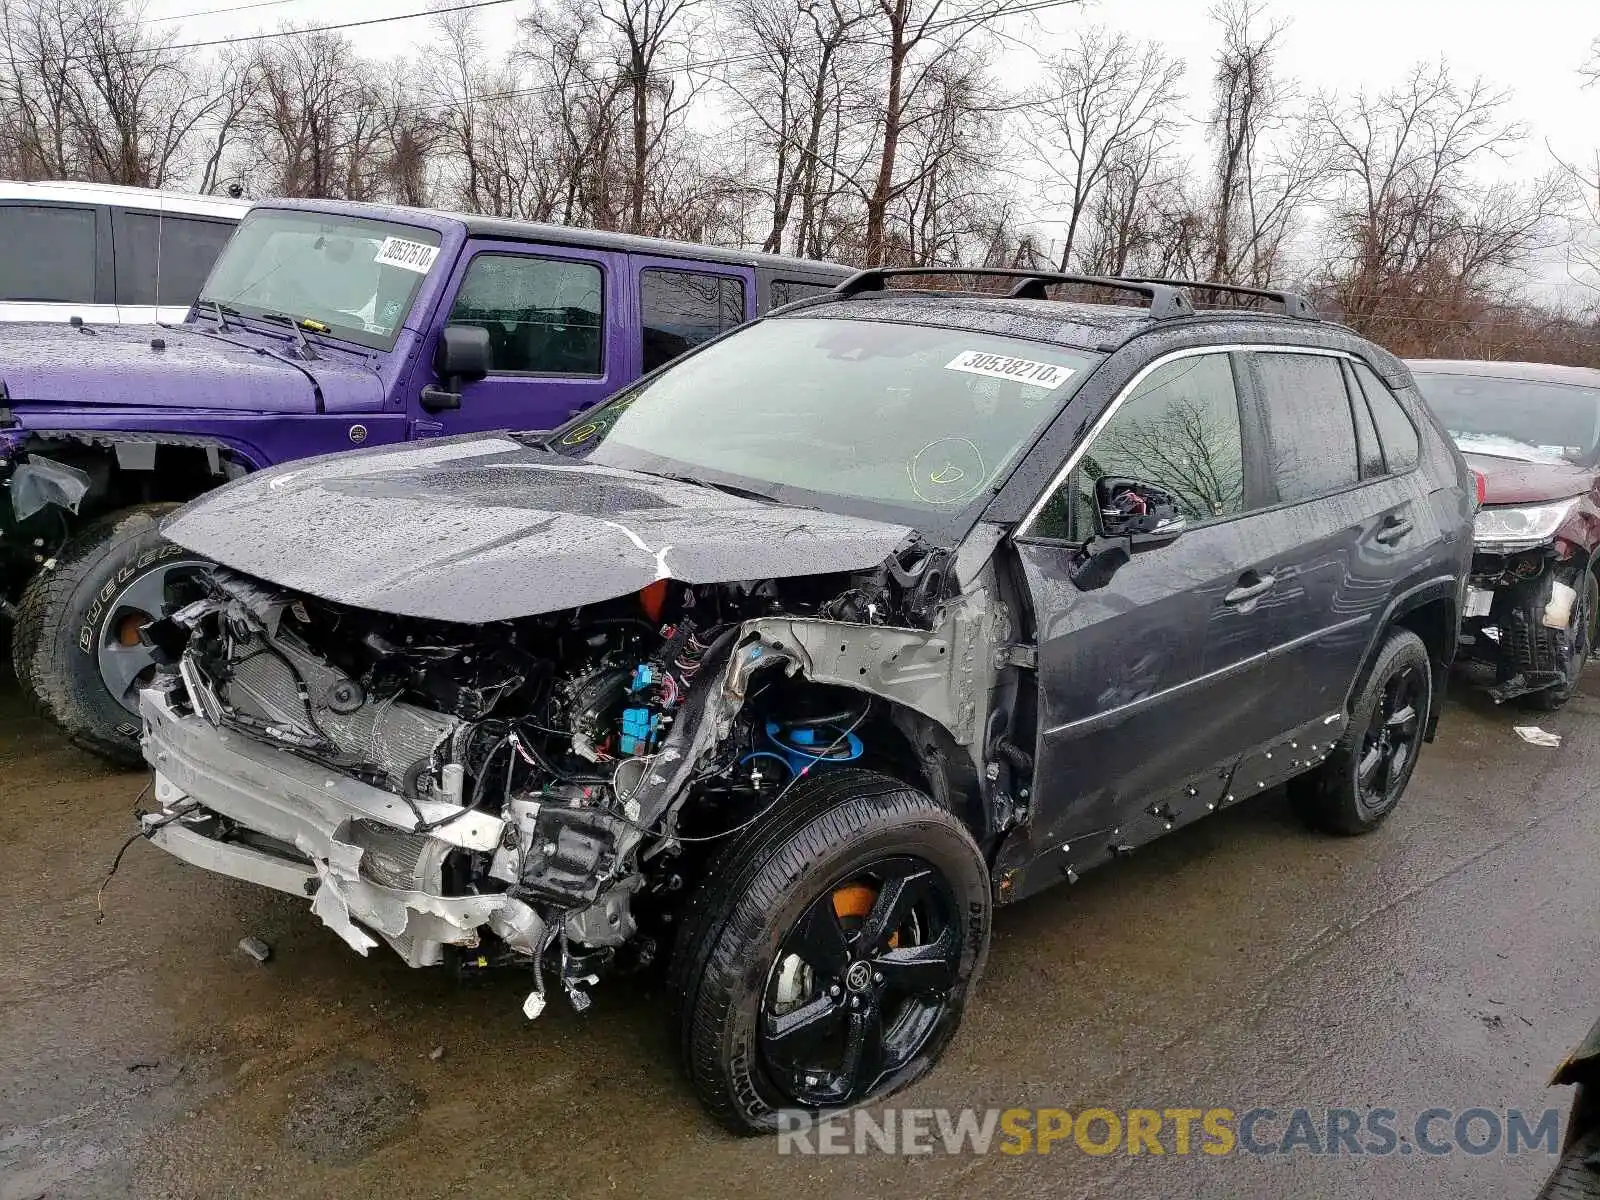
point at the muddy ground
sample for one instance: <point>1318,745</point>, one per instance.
<point>1449,960</point>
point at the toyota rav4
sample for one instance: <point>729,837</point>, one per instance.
<point>790,663</point>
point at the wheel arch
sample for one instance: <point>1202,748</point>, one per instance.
<point>1432,611</point>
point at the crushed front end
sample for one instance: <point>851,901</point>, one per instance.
<point>1528,610</point>
<point>531,792</point>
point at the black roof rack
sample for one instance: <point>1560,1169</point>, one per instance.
<point>1291,304</point>
<point>1165,300</point>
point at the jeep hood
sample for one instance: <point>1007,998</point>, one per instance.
<point>1519,481</point>
<point>112,366</point>
<point>486,529</point>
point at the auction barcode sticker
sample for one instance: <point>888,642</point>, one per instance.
<point>412,256</point>
<point>1003,366</point>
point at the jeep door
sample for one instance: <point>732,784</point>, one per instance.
<point>1132,736</point>
<point>558,335</point>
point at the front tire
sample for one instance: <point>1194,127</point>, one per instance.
<point>75,645</point>
<point>829,954</point>
<point>1363,777</point>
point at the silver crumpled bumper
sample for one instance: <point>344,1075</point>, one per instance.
<point>243,808</point>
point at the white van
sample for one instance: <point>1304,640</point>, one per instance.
<point>111,255</point>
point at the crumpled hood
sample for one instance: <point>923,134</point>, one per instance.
<point>57,365</point>
<point>486,529</point>
<point>1510,481</point>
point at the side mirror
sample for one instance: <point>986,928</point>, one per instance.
<point>1146,513</point>
<point>462,356</point>
<point>1133,515</point>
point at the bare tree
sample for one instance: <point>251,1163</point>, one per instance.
<point>1107,106</point>
<point>316,123</point>
<point>1416,232</point>
<point>791,67</point>
<point>92,93</point>
<point>653,33</point>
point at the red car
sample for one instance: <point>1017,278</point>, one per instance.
<point>1531,432</point>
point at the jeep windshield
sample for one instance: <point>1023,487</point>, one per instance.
<point>352,278</point>
<point>850,415</point>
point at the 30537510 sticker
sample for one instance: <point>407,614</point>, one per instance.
<point>410,256</point>
<point>1004,366</point>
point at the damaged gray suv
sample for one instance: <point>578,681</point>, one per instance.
<point>785,666</point>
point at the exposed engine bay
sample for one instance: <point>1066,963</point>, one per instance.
<point>537,791</point>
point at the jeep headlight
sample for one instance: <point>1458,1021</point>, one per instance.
<point>1521,527</point>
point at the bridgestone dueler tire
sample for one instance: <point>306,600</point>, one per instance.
<point>756,888</point>
<point>53,647</point>
<point>1328,797</point>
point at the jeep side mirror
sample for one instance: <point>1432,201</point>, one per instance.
<point>461,357</point>
<point>1146,513</point>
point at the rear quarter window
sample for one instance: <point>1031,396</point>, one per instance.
<point>1395,430</point>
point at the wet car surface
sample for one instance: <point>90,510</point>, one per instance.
<point>1447,961</point>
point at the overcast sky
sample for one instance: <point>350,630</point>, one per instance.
<point>1532,47</point>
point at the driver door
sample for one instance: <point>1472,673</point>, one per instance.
<point>1132,736</point>
<point>556,320</point>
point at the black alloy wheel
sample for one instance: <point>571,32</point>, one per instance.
<point>1389,745</point>
<point>1363,775</point>
<point>860,982</point>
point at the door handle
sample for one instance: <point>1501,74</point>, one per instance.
<point>1394,528</point>
<point>1247,592</point>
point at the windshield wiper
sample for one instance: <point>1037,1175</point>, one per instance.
<point>218,309</point>
<point>307,354</point>
<point>730,488</point>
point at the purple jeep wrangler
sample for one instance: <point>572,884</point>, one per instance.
<point>322,327</point>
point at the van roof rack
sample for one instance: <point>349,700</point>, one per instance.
<point>1291,304</point>
<point>1165,300</point>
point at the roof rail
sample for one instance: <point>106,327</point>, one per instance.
<point>1165,301</point>
<point>1291,304</point>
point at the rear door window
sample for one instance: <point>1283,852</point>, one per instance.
<point>47,253</point>
<point>543,315</point>
<point>1398,434</point>
<point>786,291</point>
<point>163,259</point>
<point>681,309</point>
<point>1311,434</point>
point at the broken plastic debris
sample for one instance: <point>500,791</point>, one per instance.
<point>533,1005</point>
<point>1536,736</point>
<point>256,949</point>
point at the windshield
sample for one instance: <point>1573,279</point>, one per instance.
<point>355,277</point>
<point>1516,418</point>
<point>900,416</point>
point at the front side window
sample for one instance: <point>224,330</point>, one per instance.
<point>543,314</point>
<point>1398,434</point>
<point>355,276</point>
<point>681,309</point>
<point>47,253</point>
<point>1178,429</point>
<point>883,416</point>
<point>1312,435</point>
<point>162,259</point>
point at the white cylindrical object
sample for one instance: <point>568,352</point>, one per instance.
<point>1558,613</point>
<point>451,781</point>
